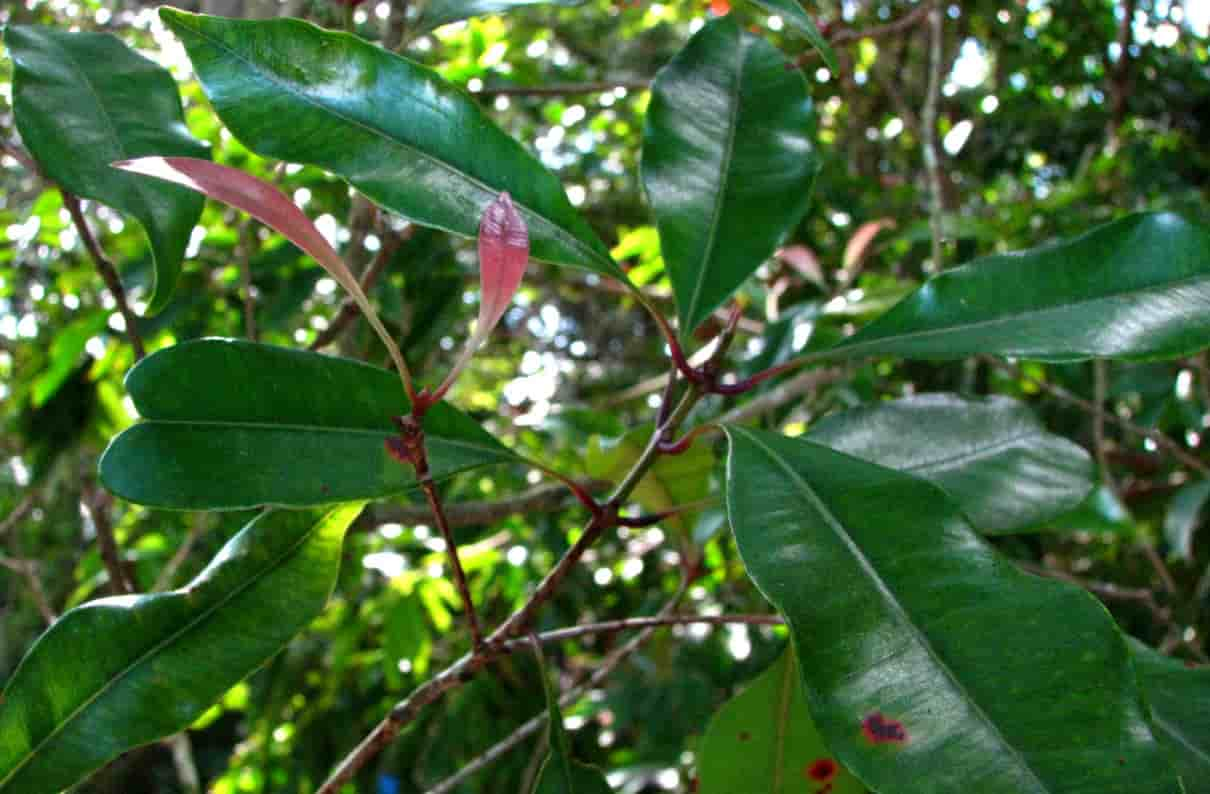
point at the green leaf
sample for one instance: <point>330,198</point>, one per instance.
<point>82,101</point>
<point>560,773</point>
<point>121,672</point>
<point>793,14</point>
<point>65,352</point>
<point>994,459</point>
<point>231,424</point>
<point>728,162</point>
<point>930,663</point>
<point>1183,517</point>
<point>764,742</point>
<point>394,129</point>
<point>1180,711</point>
<point>672,481</point>
<point>1136,288</point>
<point>1101,512</point>
<point>442,12</point>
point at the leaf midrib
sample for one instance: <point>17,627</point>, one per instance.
<point>359,431</point>
<point>890,600</point>
<point>724,178</point>
<point>154,650</point>
<point>558,232</point>
<point>849,347</point>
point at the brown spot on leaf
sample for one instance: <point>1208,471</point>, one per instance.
<point>821,769</point>
<point>744,736</point>
<point>881,729</point>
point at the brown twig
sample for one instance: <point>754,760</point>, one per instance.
<point>451,548</point>
<point>244,255</point>
<point>164,580</point>
<point>1100,375</point>
<point>1159,439</point>
<point>851,35</point>
<point>928,133</point>
<point>466,667</point>
<point>782,393</point>
<point>97,504</point>
<point>1106,590</point>
<point>535,724</point>
<point>108,272</point>
<point>627,624</point>
<point>19,512</point>
<point>544,498</point>
<point>28,571</point>
<point>561,89</point>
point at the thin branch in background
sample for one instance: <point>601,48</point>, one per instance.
<point>108,272</point>
<point>629,624</point>
<point>20,511</point>
<point>28,571</point>
<point>928,132</point>
<point>96,502</point>
<point>451,548</point>
<point>850,35</point>
<point>562,89</point>
<point>535,724</point>
<point>1100,373</point>
<point>1119,84</point>
<point>1161,440</point>
<point>544,498</point>
<point>465,668</point>
<point>348,308</point>
<point>244,252</point>
<point>798,386</point>
<point>1106,590</point>
<point>168,572</point>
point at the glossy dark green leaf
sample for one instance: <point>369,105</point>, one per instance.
<point>1135,288</point>
<point>84,100</point>
<point>442,12</point>
<point>394,129</point>
<point>1179,697</point>
<point>794,15</point>
<point>231,424</point>
<point>728,162</point>
<point>1103,511</point>
<point>124,671</point>
<point>560,773</point>
<point>1184,514</point>
<point>931,663</point>
<point>997,462</point>
<point>764,741</point>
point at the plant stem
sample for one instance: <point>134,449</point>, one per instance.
<point>451,548</point>
<point>108,272</point>
<point>928,133</point>
<point>465,668</point>
<point>348,308</point>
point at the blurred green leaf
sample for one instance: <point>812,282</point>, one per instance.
<point>231,424</point>
<point>763,742</point>
<point>84,100</point>
<point>436,13</point>
<point>1183,518</point>
<point>560,773</point>
<point>673,480</point>
<point>929,661</point>
<point>65,351</point>
<point>728,162</point>
<point>124,671</point>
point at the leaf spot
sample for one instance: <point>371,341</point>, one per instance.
<point>744,736</point>
<point>881,729</point>
<point>821,769</point>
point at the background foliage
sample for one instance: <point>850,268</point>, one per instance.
<point>1053,115</point>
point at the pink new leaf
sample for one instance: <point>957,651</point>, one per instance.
<point>503,255</point>
<point>270,206</point>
